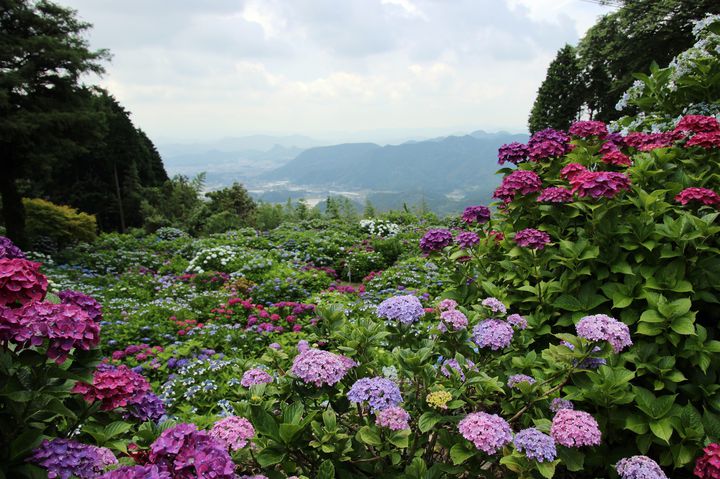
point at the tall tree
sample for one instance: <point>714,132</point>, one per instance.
<point>45,111</point>
<point>560,95</point>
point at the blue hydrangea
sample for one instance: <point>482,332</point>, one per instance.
<point>407,309</point>
<point>535,444</point>
<point>380,393</point>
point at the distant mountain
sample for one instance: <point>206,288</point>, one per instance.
<point>242,143</point>
<point>440,165</point>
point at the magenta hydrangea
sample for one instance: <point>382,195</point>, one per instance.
<point>84,302</point>
<point>63,458</point>
<point>705,140</point>
<point>535,444</point>
<point>476,214</point>
<point>651,141</point>
<point>467,239</point>
<point>518,182</point>
<point>435,240</point>
<point>548,143</point>
<point>532,238</point>
<point>380,393</point>
<point>571,170</point>
<point>114,387</point>
<point>601,327</point>
<point>616,158</point>
<point>697,124</point>
<point>599,184</point>
<point>489,432</point>
<point>318,367</point>
<point>514,153</point>
<point>639,467</point>
<point>494,305</point>
<point>589,129</point>
<point>517,321</point>
<point>455,319</point>
<point>21,282</point>
<point>233,431</point>
<point>9,250</point>
<point>493,334</point>
<point>255,376</point>
<point>516,379</point>
<point>394,418</point>
<point>149,471</point>
<point>555,194</point>
<point>405,309</point>
<point>698,195</point>
<point>572,428</point>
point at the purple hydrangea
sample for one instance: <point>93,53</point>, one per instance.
<point>455,365</point>
<point>84,302</point>
<point>455,319</point>
<point>314,366</point>
<point>572,428</point>
<point>406,309</point>
<point>548,143</point>
<point>493,334</point>
<point>233,431</point>
<point>447,304</point>
<point>597,184</point>
<point>381,393</point>
<point>489,432</point>
<point>9,250</point>
<point>476,214</point>
<point>555,194</point>
<point>559,403</point>
<point>514,153</point>
<point>255,376</point>
<point>394,418</point>
<point>150,471</point>
<point>535,444</point>
<point>519,181</point>
<point>275,346</point>
<point>550,134</point>
<point>303,346</point>
<point>532,238</point>
<point>588,129</point>
<point>517,321</point>
<point>467,239</point>
<point>600,327</point>
<point>495,305</point>
<point>147,407</point>
<point>64,458</point>
<point>639,467</point>
<point>435,240</point>
<point>516,379</point>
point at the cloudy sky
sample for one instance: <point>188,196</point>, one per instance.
<point>192,69</point>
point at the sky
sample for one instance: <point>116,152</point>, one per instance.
<point>334,69</point>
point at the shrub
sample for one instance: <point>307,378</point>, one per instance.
<point>50,226</point>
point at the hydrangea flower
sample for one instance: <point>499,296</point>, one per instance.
<point>517,321</point>
<point>114,388</point>
<point>548,143</point>
<point>550,134</point>
<point>150,471</point>
<point>571,170</point>
<point>600,327</point>
<point>255,376</point>
<point>438,399</point>
<point>701,195</point>
<point>639,467</point>
<point>21,282</point>
<point>516,379</point>
<point>435,240</point>
<point>489,432</point>
<point>64,458</point>
<point>381,393</point>
<point>148,407</point>
<point>559,403</point>
<point>447,304</point>
<point>572,428</point>
<point>519,181</point>
<point>588,129</point>
<point>9,250</point>
<point>532,238</point>
<point>617,158</point>
<point>476,214</point>
<point>454,364</point>
<point>394,418</point>
<point>493,334</point>
<point>314,366</point>
<point>697,124</point>
<point>650,141</point>
<point>535,444</point>
<point>84,302</point>
<point>236,432</point>
<point>555,194</point>
<point>406,309</point>
<point>514,153</point>
<point>303,346</point>
<point>705,140</point>
<point>599,184</point>
<point>708,466</point>
<point>455,319</point>
<point>467,239</point>
<point>495,305</point>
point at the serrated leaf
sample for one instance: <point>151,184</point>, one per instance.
<point>459,454</point>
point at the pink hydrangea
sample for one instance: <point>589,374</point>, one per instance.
<point>447,304</point>
<point>705,140</point>
<point>532,238</point>
<point>616,158</point>
<point>650,141</point>
<point>394,418</point>
<point>236,432</point>
<point>571,170</point>
<point>555,194</point>
<point>572,428</point>
<point>708,465</point>
<point>114,388</point>
<point>255,376</point>
<point>489,432</point>
<point>597,184</point>
<point>588,129</point>
<point>314,366</point>
<point>21,282</point>
<point>517,321</point>
<point>519,181</point>
<point>455,319</point>
<point>546,149</point>
<point>493,334</point>
<point>697,124</point>
<point>600,327</point>
<point>700,195</point>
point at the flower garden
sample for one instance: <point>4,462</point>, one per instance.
<point>570,331</point>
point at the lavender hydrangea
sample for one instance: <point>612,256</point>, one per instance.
<point>255,376</point>
<point>535,444</point>
<point>639,467</point>
<point>572,428</point>
<point>137,472</point>
<point>516,379</point>
<point>495,305</point>
<point>233,431</point>
<point>467,239</point>
<point>493,334</point>
<point>9,250</point>
<point>517,321</point>
<point>406,309</point>
<point>489,432</point>
<point>394,418</point>
<point>453,364</point>
<point>447,304</point>
<point>314,366</point>
<point>600,327</point>
<point>559,403</point>
<point>435,240</point>
<point>64,458</point>
<point>455,319</point>
<point>381,393</point>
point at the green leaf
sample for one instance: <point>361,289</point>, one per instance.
<point>116,428</point>
<point>288,432</point>
<point>270,456</point>
<point>683,325</point>
<point>547,469</point>
<point>326,470</point>
<point>662,429</point>
<point>369,436</point>
<point>329,420</point>
<point>24,443</point>
<point>400,438</point>
<point>428,420</point>
<point>569,303</point>
<point>459,454</point>
<point>292,414</point>
<point>572,458</point>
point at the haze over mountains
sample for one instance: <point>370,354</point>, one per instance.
<point>445,173</point>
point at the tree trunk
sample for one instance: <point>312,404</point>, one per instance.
<point>13,211</point>
<point>119,199</point>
